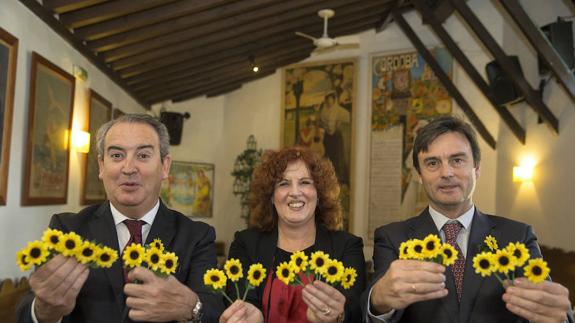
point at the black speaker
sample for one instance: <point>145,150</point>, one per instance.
<point>175,123</point>
<point>502,88</point>
<point>560,35</point>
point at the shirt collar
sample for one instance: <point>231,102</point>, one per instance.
<point>148,217</point>
<point>440,219</point>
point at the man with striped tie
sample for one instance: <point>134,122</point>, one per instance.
<point>446,156</point>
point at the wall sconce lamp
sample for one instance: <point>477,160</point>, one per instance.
<point>81,141</point>
<point>255,68</point>
<point>524,172</point>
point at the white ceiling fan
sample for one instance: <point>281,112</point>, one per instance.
<point>325,43</point>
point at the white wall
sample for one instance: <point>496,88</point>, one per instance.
<point>545,203</point>
<point>18,224</point>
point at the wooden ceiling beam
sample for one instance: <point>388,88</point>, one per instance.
<point>541,45</point>
<point>531,96</point>
<point>234,63</point>
<point>106,11</point>
<point>236,54</point>
<point>203,87</point>
<point>62,6</point>
<point>224,41</point>
<point>444,79</point>
<point>196,19</point>
<point>281,12</point>
<point>223,72</point>
<point>51,21</point>
<point>144,18</point>
<point>430,18</point>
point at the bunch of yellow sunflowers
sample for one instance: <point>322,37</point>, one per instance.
<point>319,266</point>
<point>70,244</point>
<point>503,262</point>
<point>429,249</point>
<point>216,279</point>
<point>151,256</point>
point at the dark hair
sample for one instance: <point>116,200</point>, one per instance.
<point>160,128</point>
<point>328,211</point>
<point>439,126</point>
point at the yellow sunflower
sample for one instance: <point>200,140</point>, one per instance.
<point>484,263</point>
<point>519,251</point>
<point>51,237</point>
<point>215,278</point>
<point>157,243</point>
<point>154,258</point>
<point>256,274</point>
<point>86,252</point>
<point>69,244</point>
<point>133,255</point>
<point>318,261</point>
<point>431,246</point>
<point>348,277</point>
<point>333,271</point>
<point>536,270</point>
<point>22,260</point>
<point>169,263</point>
<point>449,254</point>
<point>491,243</point>
<point>234,269</point>
<point>504,261</point>
<point>106,256</point>
<point>299,260</point>
<point>415,250</point>
<point>285,273</point>
<point>403,249</point>
<point>36,252</point>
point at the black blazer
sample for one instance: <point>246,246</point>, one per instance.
<point>481,300</point>
<point>102,299</point>
<point>251,246</point>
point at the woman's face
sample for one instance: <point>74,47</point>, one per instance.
<point>295,196</point>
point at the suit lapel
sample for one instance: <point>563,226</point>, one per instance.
<point>480,228</point>
<point>422,226</point>
<point>164,227</point>
<point>103,230</point>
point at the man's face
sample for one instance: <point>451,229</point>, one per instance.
<point>448,174</point>
<point>132,169</point>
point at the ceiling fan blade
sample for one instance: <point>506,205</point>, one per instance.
<point>305,36</point>
<point>347,46</point>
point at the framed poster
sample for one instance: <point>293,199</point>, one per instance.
<point>405,94</point>
<point>49,122</point>
<point>189,189</point>
<point>100,112</point>
<point>8,60</point>
<point>318,105</point>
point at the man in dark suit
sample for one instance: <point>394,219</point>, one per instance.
<point>133,159</point>
<point>446,156</point>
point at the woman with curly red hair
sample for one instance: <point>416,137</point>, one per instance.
<point>295,207</point>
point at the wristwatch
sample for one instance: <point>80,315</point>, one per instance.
<point>196,313</point>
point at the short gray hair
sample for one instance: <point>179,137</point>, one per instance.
<point>159,127</point>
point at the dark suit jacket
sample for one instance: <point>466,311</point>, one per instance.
<point>251,246</point>
<point>481,300</point>
<point>101,299</point>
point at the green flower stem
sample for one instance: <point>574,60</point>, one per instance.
<point>298,281</point>
<point>248,287</point>
<point>226,296</point>
<point>237,291</point>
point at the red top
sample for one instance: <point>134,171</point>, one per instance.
<point>287,305</point>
